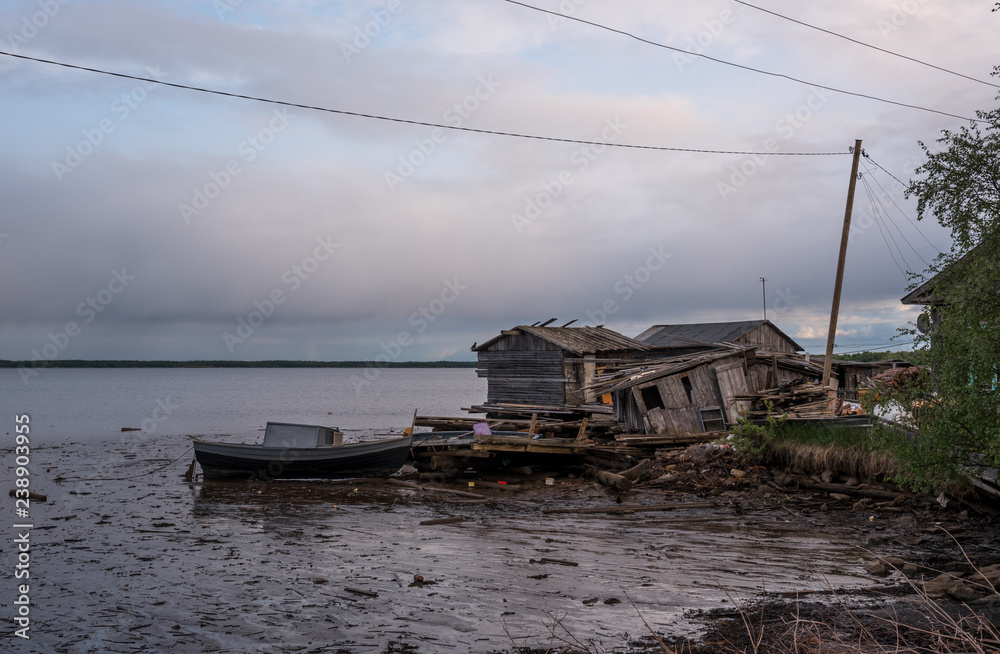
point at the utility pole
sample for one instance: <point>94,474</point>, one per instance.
<point>763,292</point>
<point>835,310</point>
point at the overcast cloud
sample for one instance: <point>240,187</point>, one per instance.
<point>171,224</point>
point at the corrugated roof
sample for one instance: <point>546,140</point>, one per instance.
<point>578,340</point>
<point>703,333</point>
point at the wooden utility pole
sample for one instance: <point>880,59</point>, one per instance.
<point>832,334</point>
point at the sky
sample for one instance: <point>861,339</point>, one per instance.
<point>142,221</point>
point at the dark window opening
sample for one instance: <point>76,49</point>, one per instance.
<point>651,398</point>
<point>686,383</point>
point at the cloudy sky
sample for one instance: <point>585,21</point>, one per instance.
<point>141,221</point>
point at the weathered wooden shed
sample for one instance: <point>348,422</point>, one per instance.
<point>687,394</point>
<point>541,365</point>
<point>699,337</point>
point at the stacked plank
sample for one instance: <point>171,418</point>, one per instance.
<point>796,399</point>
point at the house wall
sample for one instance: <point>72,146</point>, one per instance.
<point>768,338</point>
<point>523,369</point>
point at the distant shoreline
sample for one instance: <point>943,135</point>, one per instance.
<point>80,363</point>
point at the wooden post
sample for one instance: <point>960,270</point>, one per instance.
<point>583,429</point>
<point>835,309</point>
<point>531,429</point>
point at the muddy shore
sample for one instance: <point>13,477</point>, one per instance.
<point>128,557</point>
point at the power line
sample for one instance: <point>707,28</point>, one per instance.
<point>357,114</point>
<point>905,186</point>
<point>742,66</point>
<point>892,222</point>
<point>878,223</point>
<point>900,210</point>
<point>867,45</point>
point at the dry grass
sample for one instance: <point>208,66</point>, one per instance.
<point>815,459</point>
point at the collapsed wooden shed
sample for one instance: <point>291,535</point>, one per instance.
<point>686,394</point>
<point>541,365</point>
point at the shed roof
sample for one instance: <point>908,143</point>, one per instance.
<point>578,340</point>
<point>704,333</point>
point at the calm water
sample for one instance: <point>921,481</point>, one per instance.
<point>90,404</point>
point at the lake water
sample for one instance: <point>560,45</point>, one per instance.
<point>90,403</point>
<point>125,556</point>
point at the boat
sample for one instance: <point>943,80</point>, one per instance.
<point>292,451</point>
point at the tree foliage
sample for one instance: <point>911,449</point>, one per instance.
<point>960,186</point>
<point>953,405</point>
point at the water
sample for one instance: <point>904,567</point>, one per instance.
<point>89,403</point>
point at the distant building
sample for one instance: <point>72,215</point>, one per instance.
<point>697,337</point>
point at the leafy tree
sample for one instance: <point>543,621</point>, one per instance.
<point>954,404</point>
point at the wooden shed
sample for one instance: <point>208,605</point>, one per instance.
<point>686,394</point>
<point>699,337</point>
<point>541,365</point>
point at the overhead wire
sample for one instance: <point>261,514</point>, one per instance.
<point>741,66</point>
<point>867,45</point>
<point>878,223</point>
<point>875,197</point>
<point>903,213</point>
<point>407,121</point>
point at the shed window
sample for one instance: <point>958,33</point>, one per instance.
<point>651,397</point>
<point>686,383</point>
<point>712,419</point>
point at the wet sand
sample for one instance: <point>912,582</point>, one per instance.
<point>155,564</point>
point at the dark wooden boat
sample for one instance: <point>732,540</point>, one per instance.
<point>293,451</point>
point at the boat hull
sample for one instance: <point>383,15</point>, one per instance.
<point>238,461</point>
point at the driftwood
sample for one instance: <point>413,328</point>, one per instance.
<point>443,521</point>
<point>411,485</point>
<point>874,493</point>
<point>358,591</point>
<point>634,508</point>
<point>637,471</point>
<point>610,479</point>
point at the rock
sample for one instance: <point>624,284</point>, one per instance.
<point>876,568</point>
<point>990,600</point>
<point>910,568</point>
<point>962,592</point>
<point>894,561</point>
<point>939,587</point>
<point>851,481</point>
<point>827,476</point>
<point>839,496</point>
<point>781,479</point>
<point>988,576</point>
<point>859,506</point>
<point>592,600</point>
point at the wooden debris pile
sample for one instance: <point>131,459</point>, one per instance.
<point>796,399</point>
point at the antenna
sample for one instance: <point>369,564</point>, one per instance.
<point>763,291</point>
